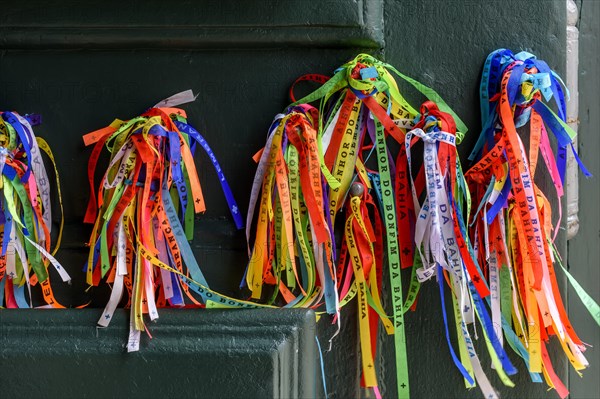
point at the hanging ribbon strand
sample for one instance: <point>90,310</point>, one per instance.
<point>26,214</point>
<point>512,226</point>
<point>143,213</point>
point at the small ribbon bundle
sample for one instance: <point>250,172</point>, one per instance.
<point>512,227</point>
<point>26,214</point>
<point>292,216</point>
<point>143,213</point>
<point>358,108</point>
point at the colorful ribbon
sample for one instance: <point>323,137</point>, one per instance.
<point>26,214</point>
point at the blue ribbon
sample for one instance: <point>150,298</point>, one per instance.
<point>184,247</point>
<point>7,229</point>
<point>19,292</point>
<point>491,333</point>
<point>500,202</point>
<point>455,359</point>
<point>233,208</point>
<point>25,139</point>
<point>177,298</point>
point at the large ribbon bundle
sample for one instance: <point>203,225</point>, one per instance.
<point>513,227</point>
<point>143,213</point>
<point>26,214</point>
<point>306,171</point>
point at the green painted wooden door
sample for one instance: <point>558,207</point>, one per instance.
<point>81,64</point>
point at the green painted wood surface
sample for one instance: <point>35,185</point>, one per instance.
<point>241,354</point>
<point>82,64</point>
<point>584,249</point>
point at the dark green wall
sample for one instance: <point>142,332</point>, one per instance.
<point>243,354</point>
<point>584,249</point>
<point>82,64</point>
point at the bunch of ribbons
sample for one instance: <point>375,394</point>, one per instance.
<point>512,226</point>
<point>143,213</point>
<point>26,214</point>
<point>362,160</point>
<point>315,165</point>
